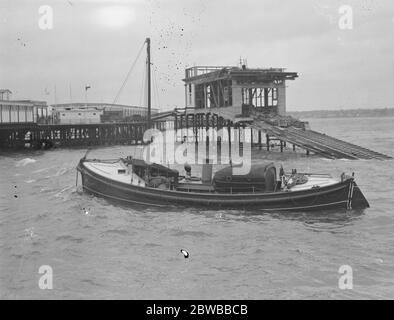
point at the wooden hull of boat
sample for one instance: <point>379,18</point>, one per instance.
<point>344,195</point>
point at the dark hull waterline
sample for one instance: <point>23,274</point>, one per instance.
<point>342,195</point>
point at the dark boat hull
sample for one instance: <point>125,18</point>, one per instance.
<point>345,195</point>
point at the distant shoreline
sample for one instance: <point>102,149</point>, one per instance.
<point>350,113</point>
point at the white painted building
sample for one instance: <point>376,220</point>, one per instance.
<point>78,116</point>
<point>127,110</point>
<point>16,112</point>
<point>21,111</point>
<point>74,113</point>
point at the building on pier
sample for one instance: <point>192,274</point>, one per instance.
<point>21,111</point>
<point>73,113</point>
<point>217,87</point>
<point>77,116</point>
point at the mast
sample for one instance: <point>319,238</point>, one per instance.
<point>149,81</point>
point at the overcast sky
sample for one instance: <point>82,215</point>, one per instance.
<point>95,42</point>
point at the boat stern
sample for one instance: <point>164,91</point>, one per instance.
<point>358,200</point>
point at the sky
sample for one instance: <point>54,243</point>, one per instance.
<point>95,43</point>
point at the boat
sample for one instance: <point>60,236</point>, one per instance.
<point>136,182</point>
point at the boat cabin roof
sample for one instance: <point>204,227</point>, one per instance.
<point>153,168</point>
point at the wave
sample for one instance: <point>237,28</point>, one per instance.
<point>63,171</point>
<point>25,162</point>
<point>117,231</point>
<point>152,245</point>
<point>69,238</point>
<point>180,233</point>
<point>91,282</point>
<point>61,191</point>
<point>43,169</point>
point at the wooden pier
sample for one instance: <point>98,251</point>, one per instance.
<point>308,140</point>
<point>69,135</point>
<point>255,98</point>
<point>101,134</point>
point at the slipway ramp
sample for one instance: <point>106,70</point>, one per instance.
<point>306,139</point>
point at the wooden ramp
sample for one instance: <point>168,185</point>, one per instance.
<point>321,144</point>
<point>309,140</point>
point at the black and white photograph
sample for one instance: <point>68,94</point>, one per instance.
<point>219,151</point>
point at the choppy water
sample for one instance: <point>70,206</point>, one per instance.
<point>99,250</point>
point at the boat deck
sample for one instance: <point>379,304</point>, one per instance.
<point>117,171</point>
<point>315,180</point>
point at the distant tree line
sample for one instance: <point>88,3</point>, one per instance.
<point>386,112</point>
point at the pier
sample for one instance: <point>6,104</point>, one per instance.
<point>215,97</point>
<point>263,132</point>
<point>255,98</point>
<point>287,131</point>
<point>71,135</point>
